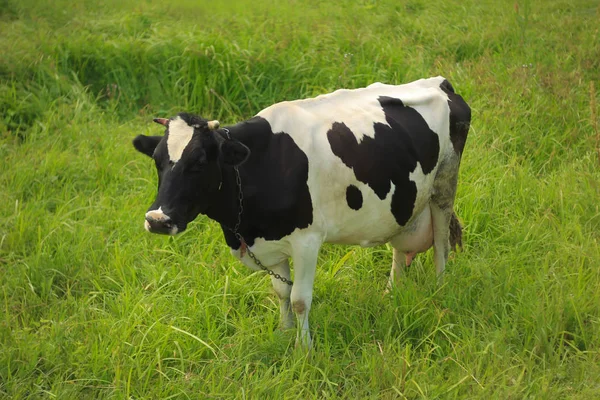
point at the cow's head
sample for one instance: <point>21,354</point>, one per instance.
<point>189,160</point>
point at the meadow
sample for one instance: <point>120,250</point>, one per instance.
<point>92,306</point>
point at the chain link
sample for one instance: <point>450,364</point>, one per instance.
<point>239,237</point>
<point>238,182</point>
<point>257,262</point>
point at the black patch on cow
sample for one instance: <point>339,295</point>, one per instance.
<point>354,197</point>
<point>275,185</point>
<point>391,155</point>
<point>460,117</point>
<point>194,121</point>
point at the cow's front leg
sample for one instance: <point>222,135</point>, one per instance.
<point>283,291</point>
<point>305,254</point>
<point>398,266</point>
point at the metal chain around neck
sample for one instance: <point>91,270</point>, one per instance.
<point>235,229</point>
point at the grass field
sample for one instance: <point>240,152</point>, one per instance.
<point>94,307</point>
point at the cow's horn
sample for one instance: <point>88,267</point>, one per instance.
<point>162,121</point>
<point>213,124</point>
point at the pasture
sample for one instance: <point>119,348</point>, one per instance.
<point>92,306</point>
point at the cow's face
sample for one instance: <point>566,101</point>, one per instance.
<point>189,159</point>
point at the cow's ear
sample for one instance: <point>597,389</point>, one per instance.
<point>234,152</point>
<point>146,144</point>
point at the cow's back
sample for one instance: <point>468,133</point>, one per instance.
<point>373,154</point>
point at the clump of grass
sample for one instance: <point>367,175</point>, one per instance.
<point>594,118</point>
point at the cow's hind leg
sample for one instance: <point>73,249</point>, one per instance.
<point>441,238</point>
<point>446,227</point>
<point>398,266</point>
<point>283,291</point>
<point>442,204</point>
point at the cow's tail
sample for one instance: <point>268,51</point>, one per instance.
<point>455,233</point>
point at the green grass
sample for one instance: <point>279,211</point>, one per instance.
<point>93,306</point>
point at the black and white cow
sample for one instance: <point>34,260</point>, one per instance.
<point>366,166</point>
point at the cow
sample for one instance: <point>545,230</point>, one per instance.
<point>364,166</point>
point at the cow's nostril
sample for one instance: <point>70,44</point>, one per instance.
<point>161,220</point>
<point>164,226</point>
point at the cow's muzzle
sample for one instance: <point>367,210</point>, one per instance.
<point>158,222</point>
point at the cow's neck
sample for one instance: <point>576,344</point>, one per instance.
<point>226,207</point>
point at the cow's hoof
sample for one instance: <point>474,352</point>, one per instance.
<point>286,327</point>
<point>304,342</point>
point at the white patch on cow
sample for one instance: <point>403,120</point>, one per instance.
<point>358,109</point>
<point>180,134</point>
<point>422,181</point>
<point>269,252</point>
<point>343,106</point>
<point>158,215</point>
